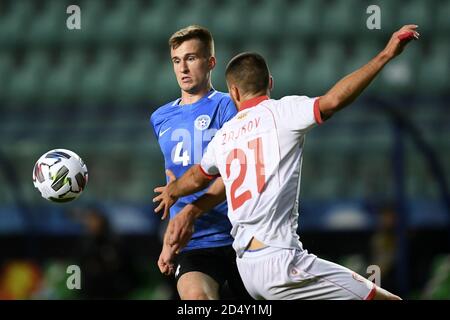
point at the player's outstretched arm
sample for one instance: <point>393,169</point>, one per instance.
<point>181,227</point>
<point>350,87</point>
<point>193,180</point>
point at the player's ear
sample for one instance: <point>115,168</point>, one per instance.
<point>234,92</point>
<point>211,62</point>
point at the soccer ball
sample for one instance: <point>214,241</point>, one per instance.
<point>60,175</point>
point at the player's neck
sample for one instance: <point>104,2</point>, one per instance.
<point>252,99</point>
<point>190,98</point>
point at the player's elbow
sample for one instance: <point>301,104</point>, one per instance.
<point>329,104</point>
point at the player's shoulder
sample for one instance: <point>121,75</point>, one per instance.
<point>288,102</point>
<point>164,110</point>
<point>222,103</point>
<point>293,99</point>
<point>221,98</point>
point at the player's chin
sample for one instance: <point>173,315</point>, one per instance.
<point>189,87</point>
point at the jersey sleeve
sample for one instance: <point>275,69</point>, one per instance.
<point>208,164</point>
<point>228,111</point>
<point>300,113</point>
<point>154,124</point>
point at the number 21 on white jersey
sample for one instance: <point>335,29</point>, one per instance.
<point>250,163</point>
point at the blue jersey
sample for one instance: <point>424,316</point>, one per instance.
<point>183,133</point>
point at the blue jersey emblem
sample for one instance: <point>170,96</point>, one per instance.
<point>202,122</point>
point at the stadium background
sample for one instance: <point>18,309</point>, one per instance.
<point>374,185</point>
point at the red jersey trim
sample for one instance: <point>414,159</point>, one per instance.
<point>252,102</point>
<point>372,293</point>
<point>317,115</point>
<point>210,177</point>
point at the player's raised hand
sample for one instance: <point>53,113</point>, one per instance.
<point>400,39</point>
<point>165,200</point>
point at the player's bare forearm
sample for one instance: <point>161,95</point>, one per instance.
<point>166,236</point>
<point>182,225</point>
<point>193,180</point>
<point>212,197</point>
<point>350,87</point>
<point>190,182</point>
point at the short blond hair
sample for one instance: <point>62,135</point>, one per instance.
<point>193,32</point>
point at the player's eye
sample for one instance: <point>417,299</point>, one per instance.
<point>191,58</point>
<point>176,61</point>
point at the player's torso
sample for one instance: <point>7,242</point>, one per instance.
<point>183,133</point>
<point>250,146</point>
<point>259,160</point>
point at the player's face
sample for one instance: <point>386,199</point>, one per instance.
<point>191,66</point>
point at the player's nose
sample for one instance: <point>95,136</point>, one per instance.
<point>184,67</point>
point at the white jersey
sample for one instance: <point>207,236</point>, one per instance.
<point>258,154</point>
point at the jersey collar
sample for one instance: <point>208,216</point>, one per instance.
<point>208,95</point>
<point>252,102</point>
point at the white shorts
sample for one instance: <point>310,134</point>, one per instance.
<point>290,274</point>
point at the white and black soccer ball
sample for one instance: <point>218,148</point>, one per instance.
<point>60,175</point>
